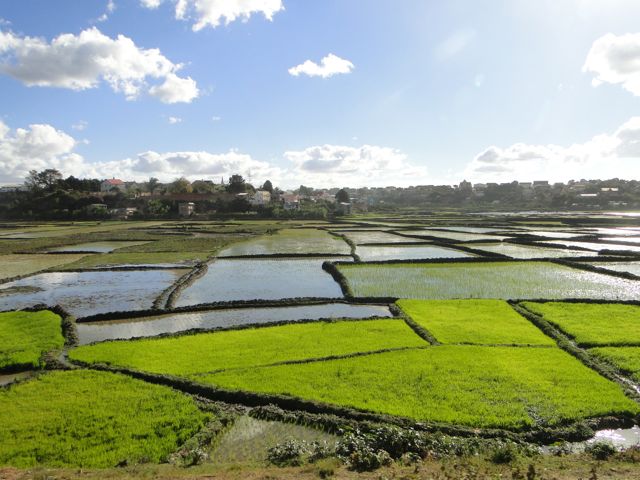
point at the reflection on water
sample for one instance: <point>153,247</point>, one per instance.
<point>150,326</point>
<point>409,252</point>
<point>264,279</point>
<point>88,293</point>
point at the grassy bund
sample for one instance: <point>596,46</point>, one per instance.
<point>482,355</point>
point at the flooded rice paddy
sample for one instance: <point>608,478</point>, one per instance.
<point>449,235</point>
<point>90,293</point>
<point>264,279</point>
<point>290,242</point>
<point>96,247</point>
<point>595,246</point>
<point>171,323</point>
<point>525,251</point>
<point>408,252</point>
<point>628,267</point>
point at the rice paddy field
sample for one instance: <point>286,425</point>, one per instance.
<point>505,280</point>
<point>26,336</point>
<point>409,332</point>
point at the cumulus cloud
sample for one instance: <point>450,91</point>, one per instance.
<point>38,147</point>
<point>212,13</point>
<point>603,156</point>
<point>111,7</point>
<point>337,165</point>
<point>80,62</point>
<point>329,66</point>
<point>615,59</point>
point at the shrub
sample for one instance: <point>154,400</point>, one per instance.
<point>287,454</point>
<point>600,450</point>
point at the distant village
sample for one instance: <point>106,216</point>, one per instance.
<point>47,194</point>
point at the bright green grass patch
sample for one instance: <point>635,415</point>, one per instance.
<point>476,386</point>
<point>92,419</point>
<point>207,352</point>
<point>505,280</point>
<point>473,322</point>
<point>26,336</point>
<point>627,359</point>
<point>593,324</point>
<point>109,259</point>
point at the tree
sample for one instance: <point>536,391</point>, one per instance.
<point>268,186</point>
<point>203,186</point>
<point>181,185</point>
<point>305,191</point>
<point>342,196</point>
<point>152,184</point>
<point>236,184</point>
<point>44,180</point>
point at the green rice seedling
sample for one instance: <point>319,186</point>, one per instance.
<point>92,419</point>
<point>473,322</point>
<point>291,241</point>
<point>505,280</point>
<point>26,336</point>
<point>196,354</point>
<point>477,386</point>
<point>627,359</point>
<point>593,324</point>
<point>25,264</point>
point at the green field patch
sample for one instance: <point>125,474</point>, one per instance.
<point>505,280</point>
<point>195,354</point>
<point>290,241</point>
<point>92,419</point>
<point>474,322</point>
<point>477,386</point>
<point>96,247</point>
<point>593,324</point>
<point>26,336</point>
<point>19,264</point>
<point>626,359</point>
<point>133,258</point>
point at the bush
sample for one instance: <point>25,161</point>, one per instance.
<point>600,450</point>
<point>287,454</point>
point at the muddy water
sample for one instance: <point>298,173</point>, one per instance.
<point>264,279</point>
<point>370,253</point>
<point>8,379</point>
<point>151,326</point>
<point>89,293</point>
<point>248,440</point>
<point>97,247</point>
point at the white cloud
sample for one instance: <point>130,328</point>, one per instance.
<point>80,62</point>
<point>174,120</point>
<point>336,165</point>
<point>213,12</point>
<point>454,44</point>
<point>603,156</point>
<point>615,59</point>
<point>80,126</point>
<point>35,148</point>
<point>216,118</point>
<point>329,66</point>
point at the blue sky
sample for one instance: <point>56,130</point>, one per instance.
<point>427,91</point>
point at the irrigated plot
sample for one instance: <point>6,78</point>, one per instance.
<point>92,419</point>
<point>96,247</point>
<point>449,235</point>
<point>627,359</point>
<point>291,241</point>
<point>595,246</point>
<point>377,237</point>
<point>593,324</point>
<point>525,251</point>
<point>474,322</point>
<point>264,279</point>
<point>26,336</point>
<point>134,259</point>
<point>151,326</point>
<point>629,267</point>
<point>505,280</point>
<point>477,386</point>
<point>207,352</point>
<point>89,293</point>
<point>18,264</point>
<point>408,252</point>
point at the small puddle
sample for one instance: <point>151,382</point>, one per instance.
<point>8,379</point>
<point>89,293</point>
<point>620,438</point>
<point>249,439</point>
<point>151,326</point>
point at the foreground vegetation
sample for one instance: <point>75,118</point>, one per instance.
<point>196,354</point>
<point>626,359</point>
<point>26,336</point>
<point>473,322</point>
<point>92,419</point>
<point>505,280</point>
<point>506,387</point>
<point>593,324</point>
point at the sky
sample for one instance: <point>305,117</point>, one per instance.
<point>329,93</point>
